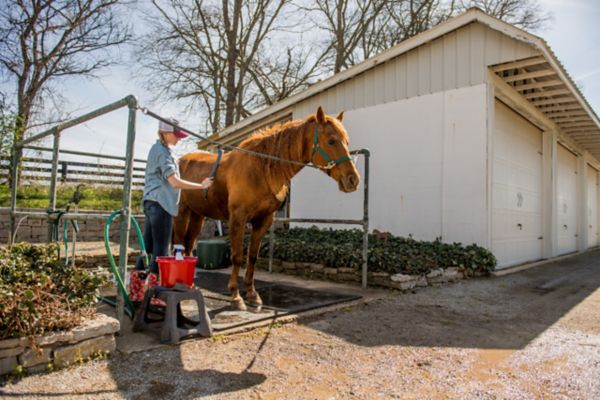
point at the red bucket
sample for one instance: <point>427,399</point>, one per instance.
<point>173,271</point>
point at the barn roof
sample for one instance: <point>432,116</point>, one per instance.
<point>542,80</point>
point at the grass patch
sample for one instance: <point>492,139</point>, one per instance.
<point>104,199</point>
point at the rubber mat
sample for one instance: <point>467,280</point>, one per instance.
<point>278,300</point>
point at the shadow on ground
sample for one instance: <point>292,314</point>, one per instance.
<point>504,312</point>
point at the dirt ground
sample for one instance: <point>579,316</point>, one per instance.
<point>530,335</point>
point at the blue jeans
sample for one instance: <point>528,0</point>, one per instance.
<point>158,227</point>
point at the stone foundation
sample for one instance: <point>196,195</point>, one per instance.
<point>93,338</point>
<point>382,279</point>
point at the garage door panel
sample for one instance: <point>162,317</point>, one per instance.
<point>566,201</point>
<point>516,189</point>
<point>592,203</point>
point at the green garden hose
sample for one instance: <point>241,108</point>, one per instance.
<point>111,260</point>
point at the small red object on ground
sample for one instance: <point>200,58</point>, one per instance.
<point>173,271</point>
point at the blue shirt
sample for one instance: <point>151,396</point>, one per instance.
<point>160,165</point>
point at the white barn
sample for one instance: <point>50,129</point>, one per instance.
<point>477,135</point>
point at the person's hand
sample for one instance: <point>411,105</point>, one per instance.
<point>207,183</point>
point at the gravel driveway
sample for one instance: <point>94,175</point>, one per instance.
<point>530,335</point>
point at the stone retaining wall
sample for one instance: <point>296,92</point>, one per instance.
<point>56,350</point>
<point>383,279</point>
<point>35,229</point>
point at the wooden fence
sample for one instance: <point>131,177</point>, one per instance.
<point>37,170</point>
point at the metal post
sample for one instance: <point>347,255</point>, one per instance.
<point>126,210</point>
<point>271,244</point>
<point>365,250</point>
<point>13,193</point>
<point>53,183</point>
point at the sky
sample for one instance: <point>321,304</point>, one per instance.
<point>573,36</point>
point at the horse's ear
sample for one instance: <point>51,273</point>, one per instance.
<point>320,115</point>
<point>340,116</point>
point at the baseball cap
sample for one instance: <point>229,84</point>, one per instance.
<point>166,127</point>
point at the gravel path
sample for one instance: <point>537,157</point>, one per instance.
<point>532,335</point>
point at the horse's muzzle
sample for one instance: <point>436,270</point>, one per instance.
<point>348,183</point>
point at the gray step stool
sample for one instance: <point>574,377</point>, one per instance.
<point>171,328</point>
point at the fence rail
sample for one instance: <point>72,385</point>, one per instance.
<point>96,174</point>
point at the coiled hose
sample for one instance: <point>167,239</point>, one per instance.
<point>130,310</point>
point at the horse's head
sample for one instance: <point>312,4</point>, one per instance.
<point>330,151</point>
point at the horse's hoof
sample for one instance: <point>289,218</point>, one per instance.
<point>238,304</point>
<point>254,299</point>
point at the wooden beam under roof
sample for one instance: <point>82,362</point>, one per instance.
<point>529,75</point>
<point>583,118</point>
<point>578,125</point>
<point>586,130</point>
<point>536,60</point>
<point>568,114</point>
<point>560,116</point>
<point>561,108</point>
<point>559,100</point>
<point>538,84</point>
<point>546,93</point>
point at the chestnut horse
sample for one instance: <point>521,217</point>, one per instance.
<point>249,188</point>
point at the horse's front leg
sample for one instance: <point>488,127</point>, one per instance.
<point>259,229</point>
<point>237,226</point>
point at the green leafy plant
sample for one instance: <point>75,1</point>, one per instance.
<point>39,294</point>
<point>386,253</point>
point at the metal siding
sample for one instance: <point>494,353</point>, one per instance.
<point>463,60</point>
<point>477,67</point>
<point>437,66</point>
<point>379,84</point>
<point>401,71</point>
<point>449,61</point>
<point>369,88</point>
<point>493,42</point>
<point>412,74</point>
<point>359,91</point>
<point>424,69</point>
<point>390,82</point>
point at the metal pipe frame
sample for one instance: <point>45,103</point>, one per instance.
<point>53,182</point>
<point>126,209</point>
<point>76,121</point>
<point>364,222</point>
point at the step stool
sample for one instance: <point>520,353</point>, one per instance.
<point>171,328</point>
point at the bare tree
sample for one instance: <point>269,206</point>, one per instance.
<point>218,56</point>
<point>358,29</point>
<point>348,24</point>
<point>526,14</point>
<point>42,41</point>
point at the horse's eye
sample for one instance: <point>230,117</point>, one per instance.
<point>331,142</point>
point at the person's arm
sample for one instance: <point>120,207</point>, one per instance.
<point>178,183</point>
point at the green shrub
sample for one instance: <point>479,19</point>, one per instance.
<point>39,294</point>
<point>386,253</point>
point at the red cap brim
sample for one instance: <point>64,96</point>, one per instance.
<point>181,134</point>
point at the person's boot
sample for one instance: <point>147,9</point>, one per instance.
<point>137,285</point>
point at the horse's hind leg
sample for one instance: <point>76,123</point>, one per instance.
<point>259,229</point>
<point>237,225</point>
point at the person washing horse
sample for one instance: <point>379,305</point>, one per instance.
<point>160,202</point>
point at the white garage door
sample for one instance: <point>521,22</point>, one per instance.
<point>566,201</point>
<point>592,179</point>
<point>516,189</point>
